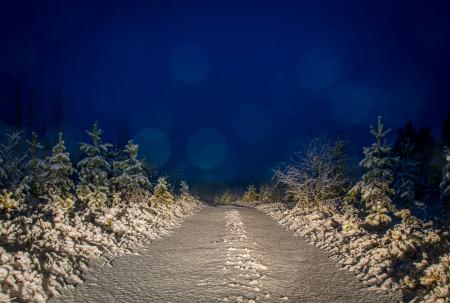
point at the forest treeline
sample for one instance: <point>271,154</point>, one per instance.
<point>56,216</point>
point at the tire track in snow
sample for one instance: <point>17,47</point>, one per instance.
<point>243,269</point>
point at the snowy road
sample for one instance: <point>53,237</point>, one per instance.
<point>224,254</point>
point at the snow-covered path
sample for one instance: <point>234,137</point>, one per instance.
<point>224,254</point>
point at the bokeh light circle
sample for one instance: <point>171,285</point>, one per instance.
<point>252,123</point>
<point>207,149</point>
<point>319,69</point>
<point>154,146</point>
<point>189,63</point>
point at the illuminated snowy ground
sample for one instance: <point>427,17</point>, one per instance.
<point>224,254</point>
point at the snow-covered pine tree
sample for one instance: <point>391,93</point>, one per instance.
<point>374,189</point>
<point>11,176</point>
<point>161,192</point>
<point>93,170</point>
<point>59,170</point>
<point>445,182</point>
<point>406,177</point>
<point>185,194</point>
<point>36,167</point>
<point>129,176</point>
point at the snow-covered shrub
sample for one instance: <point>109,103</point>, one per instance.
<point>93,170</point>
<point>8,202</point>
<point>161,192</point>
<point>437,280</point>
<point>315,177</point>
<point>374,189</point>
<point>250,194</point>
<point>129,177</point>
<point>185,192</point>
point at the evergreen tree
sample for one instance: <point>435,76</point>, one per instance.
<point>406,135</point>
<point>59,171</point>
<point>445,182</point>
<point>129,177</point>
<point>36,167</point>
<point>414,178</point>
<point>93,170</point>
<point>374,189</point>
<point>185,193</point>
<point>11,175</point>
<point>162,194</point>
<point>406,176</point>
<point>445,131</point>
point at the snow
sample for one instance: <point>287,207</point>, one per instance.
<point>47,252</point>
<point>396,262</point>
<point>224,254</point>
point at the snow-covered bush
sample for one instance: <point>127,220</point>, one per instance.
<point>374,189</point>
<point>437,280</point>
<point>315,177</point>
<point>8,202</point>
<point>250,194</point>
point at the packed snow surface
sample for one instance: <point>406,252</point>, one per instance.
<point>224,254</point>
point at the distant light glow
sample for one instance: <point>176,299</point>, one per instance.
<point>319,69</point>
<point>252,123</point>
<point>189,63</point>
<point>207,149</point>
<point>154,146</point>
<point>352,104</point>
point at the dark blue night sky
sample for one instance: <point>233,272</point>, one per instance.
<point>223,90</point>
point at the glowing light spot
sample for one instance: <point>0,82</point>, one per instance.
<point>352,104</point>
<point>319,69</point>
<point>154,145</point>
<point>252,123</point>
<point>189,63</point>
<point>207,149</point>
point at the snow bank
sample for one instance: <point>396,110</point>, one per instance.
<point>43,253</point>
<point>412,258</point>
